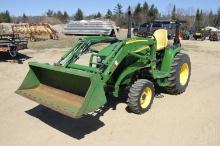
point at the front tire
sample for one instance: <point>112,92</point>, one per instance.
<point>141,96</point>
<point>180,74</point>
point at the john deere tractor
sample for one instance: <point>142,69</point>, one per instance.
<point>140,64</point>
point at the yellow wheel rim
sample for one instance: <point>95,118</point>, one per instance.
<point>146,97</point>
<point>184,74</point>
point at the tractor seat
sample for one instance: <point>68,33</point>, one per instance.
<point>161,37</point>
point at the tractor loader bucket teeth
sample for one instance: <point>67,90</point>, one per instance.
<point>68,91</point>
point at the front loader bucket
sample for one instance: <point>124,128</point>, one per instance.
<point>68,91</point>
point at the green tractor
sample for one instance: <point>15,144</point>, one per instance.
<point>140,64</point>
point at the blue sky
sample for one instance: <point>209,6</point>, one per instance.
<point>39,7</point>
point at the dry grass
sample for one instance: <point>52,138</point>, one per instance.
<point>63,42</point>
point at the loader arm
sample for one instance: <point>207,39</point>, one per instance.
<point>81,47</point>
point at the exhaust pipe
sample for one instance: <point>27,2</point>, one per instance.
<point>129,23</point>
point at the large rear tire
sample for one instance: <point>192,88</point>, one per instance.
<point>179,75</point>
<point>141,96</point>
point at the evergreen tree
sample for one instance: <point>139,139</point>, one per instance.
<point>138,14</point>
<point>198,20</point>
<point>153,13</point>
<point>5,17</point>
<point>173,15</point>
<point>1,18</point>
<point>78,15</point>
<point>217,21</point>
<point>24,18</point>
<point>145,10</point>
<point>118,9</point>
<point>65,16</point>
<point>108,14</point>
<point>99,15</point>
<point>211,19</point>
<point>59,15</point>
<point>201,18</point>
<point>50,13</point>
<point>54,14</point>
<point>118,14</point>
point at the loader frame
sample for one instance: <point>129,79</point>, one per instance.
<point>132,47</point>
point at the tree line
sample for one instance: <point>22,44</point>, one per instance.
<point>202,20</point>
<point>145,13</point>
<point>62,16</point>
<point>141,13</point>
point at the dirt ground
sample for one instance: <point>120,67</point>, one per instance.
<point>191,119</point>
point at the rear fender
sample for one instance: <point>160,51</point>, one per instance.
<point>169,54</point>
